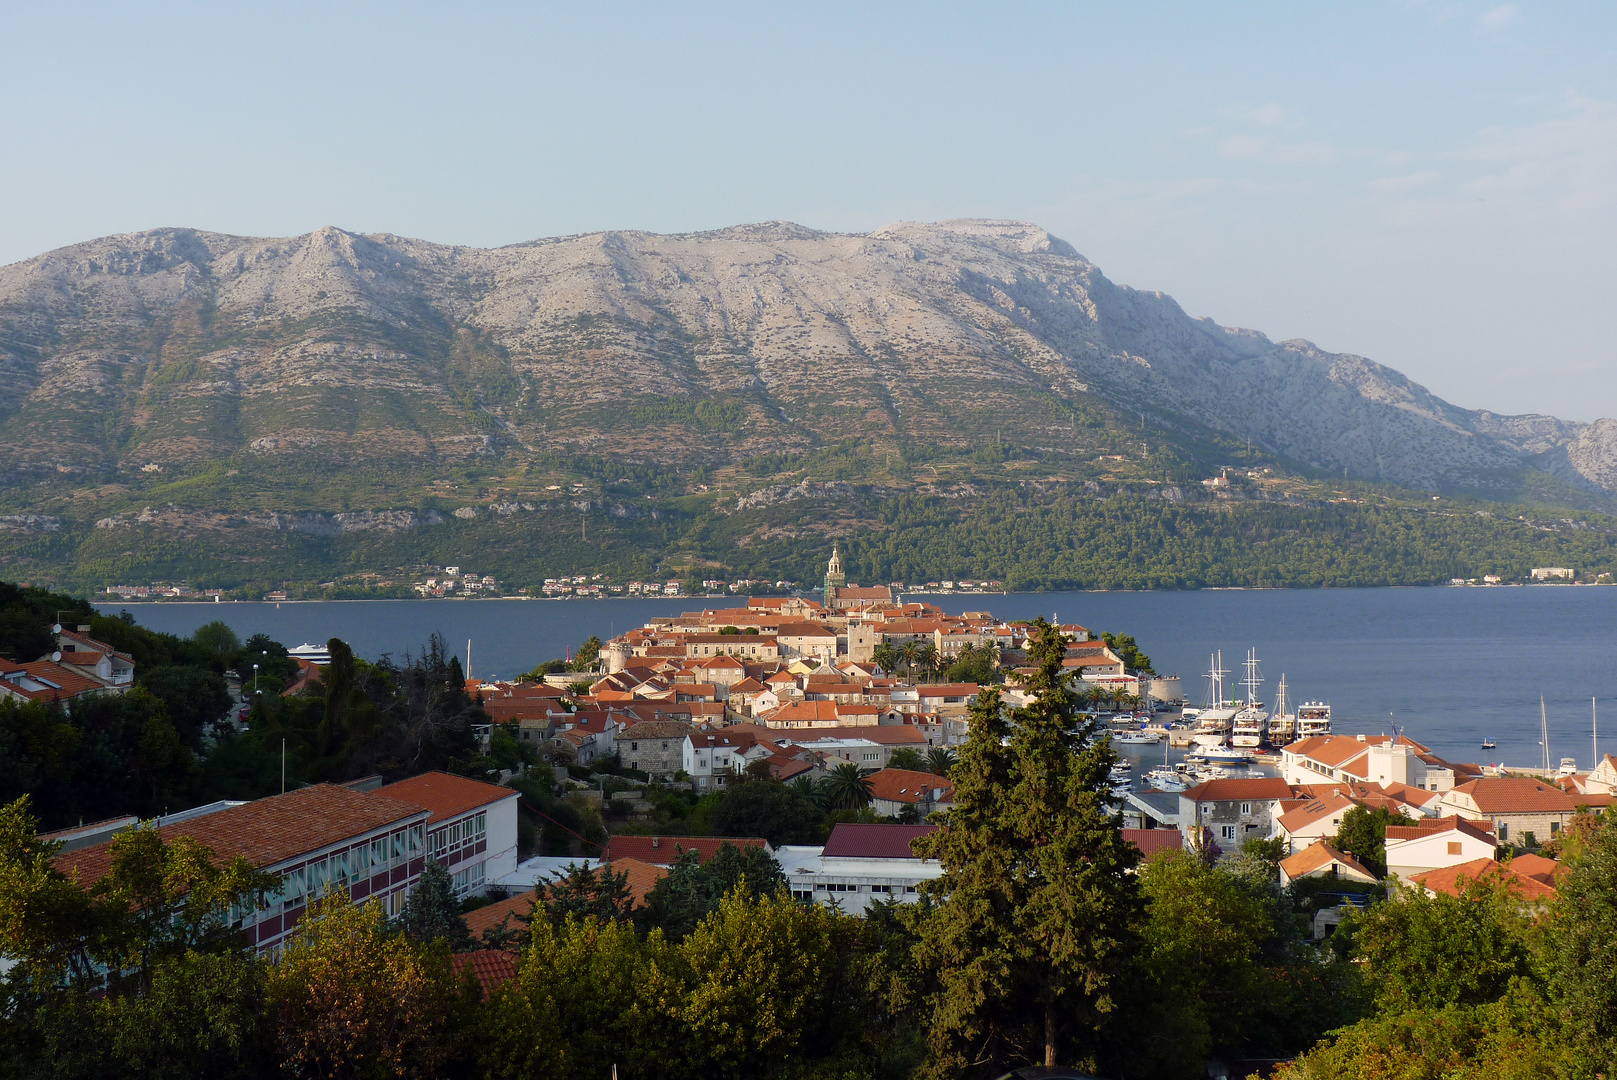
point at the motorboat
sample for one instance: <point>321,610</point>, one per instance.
<point>1489,744</point>
<point>1137,738</point>
<point>1313,718</point>
<point>1223,755</point>
<point>1166,779</point>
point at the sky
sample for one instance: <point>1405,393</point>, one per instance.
<point>1430,185</point>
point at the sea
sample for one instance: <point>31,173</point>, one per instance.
<point>1448,666</point>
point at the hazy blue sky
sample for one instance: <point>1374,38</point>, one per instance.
<point>1432,185</point>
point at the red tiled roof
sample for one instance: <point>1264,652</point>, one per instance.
<point>666,850</point>
<point>493,968</point>
<point>1248,789</point>
<point>1516,795</point>
<point>883,734</point>
<point>949,690</point>
<point>1481,830</point>
<point>1317,856</point>
<point>267,831</point>
<point>853,840</point>
<point>445,794</point>
<point>1151,841</point>
<point>815,711</point>
<point>1312,812</point>
<point>642,877</point>
<point>504,911</point>
<point>1451,879</point>
<point>908,786</point>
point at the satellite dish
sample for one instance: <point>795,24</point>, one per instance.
<point>56,657</point>
<point>56,628</point>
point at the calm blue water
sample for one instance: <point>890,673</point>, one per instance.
<point>1449,666</point>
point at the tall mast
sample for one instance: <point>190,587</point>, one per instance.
<point>1544,731</point>
<point>1594,718</point>
<point>1251,682</point>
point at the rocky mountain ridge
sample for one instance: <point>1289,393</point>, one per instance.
<point>177,346</point>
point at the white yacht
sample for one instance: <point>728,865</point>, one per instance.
<point>1213,724</point>
<point>1282,724</point>
<point>1313,718</point>
<point>315,654</point>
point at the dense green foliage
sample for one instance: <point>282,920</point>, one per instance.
<point>1047,534</point>
<point>1487,983</point>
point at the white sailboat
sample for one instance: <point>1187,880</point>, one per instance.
<point>1251,723</point>
<point>1214,722</point>
<point>1282,724</point>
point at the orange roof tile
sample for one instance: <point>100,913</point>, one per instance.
<point>1453,879</point>
<point>666,850</point>
<point>504,911</point>
<point>1319,855</point>
<point>270,830</point>
<point>908,786</point>
<point>445,794</point>
<point>1516,795</point>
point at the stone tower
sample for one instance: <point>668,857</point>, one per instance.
<point>834,577</point>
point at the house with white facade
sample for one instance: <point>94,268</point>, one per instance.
<point>1521,808</point>
<point>860,865</point>
<point>1233,810</point>
<point>472,830</point>
<point>1437,843</point>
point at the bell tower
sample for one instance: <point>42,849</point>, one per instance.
<point>834,577</point>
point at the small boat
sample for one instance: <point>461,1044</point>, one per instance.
<point>1489,744</point>
<point>1168,779</point>
<point>1137,738</point>
<point>1222,755</point>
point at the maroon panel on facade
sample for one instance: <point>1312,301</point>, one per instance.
<point>361,889</point>
<point>292,918</point>
<point>455,857</point>
<point>398,874</point>
<point>417,865</point>
<point>269,928</point>
<point>479,847</point>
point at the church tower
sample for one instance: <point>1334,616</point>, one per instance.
<point>834,577</point>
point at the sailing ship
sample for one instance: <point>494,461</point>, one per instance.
<point>1214,722</point>
<point>1282,724</point>
<point>1249,726</point>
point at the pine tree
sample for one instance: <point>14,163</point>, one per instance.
<point>1036,901</point>
<point>431,911</point>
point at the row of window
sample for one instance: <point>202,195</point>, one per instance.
<point>469,879</point>
<point>337,870</point>
<point>461,834</point>
<point>835,886</point>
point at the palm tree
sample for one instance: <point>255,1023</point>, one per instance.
<point>810,792</point>
<point>908,652</point>
<point>927,658</point>
<point>846,788</point>
<point>939,760</point>
<point>886,657</point>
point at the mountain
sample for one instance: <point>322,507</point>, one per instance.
<point>335,383</point>
<point>177,346</point>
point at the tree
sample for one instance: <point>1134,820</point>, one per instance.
<point>1128,651</point>
<point>352,998</point>
<point>794,957</point>
<point>583,892</point>
<point>846,787</point>
<point>1037,896</point>
<point>907,757</point>
<point>939,760</point>
<point>193,697</point>
<point>431,912</point>
<point>1363,834</point>
<point>1428,952</point>
<point>1580,953</point>
<point>217,641</point>
<point>766,808</point>
<point>588,655</point>
<point>886,657</point>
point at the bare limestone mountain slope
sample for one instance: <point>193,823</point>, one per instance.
<point>176,346</point>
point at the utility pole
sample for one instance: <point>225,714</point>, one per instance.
<point>283,766</point>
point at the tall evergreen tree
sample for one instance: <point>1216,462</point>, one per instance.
<point>430,911</point>
<point>1036,901</point>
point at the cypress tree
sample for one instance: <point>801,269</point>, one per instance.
<point>1036,903</point>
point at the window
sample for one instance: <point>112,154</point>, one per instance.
<point>1227,832</point>
<point>1246,809</point>
<point>1504,832</point>
<point>339,870</point>
<point>295,882</point>
<point>415,839</point>
<point>1555,827</point>
<point>1454,847</point>
<point>398,846</point>
<point>361,860</point>
<point>379,853</point>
